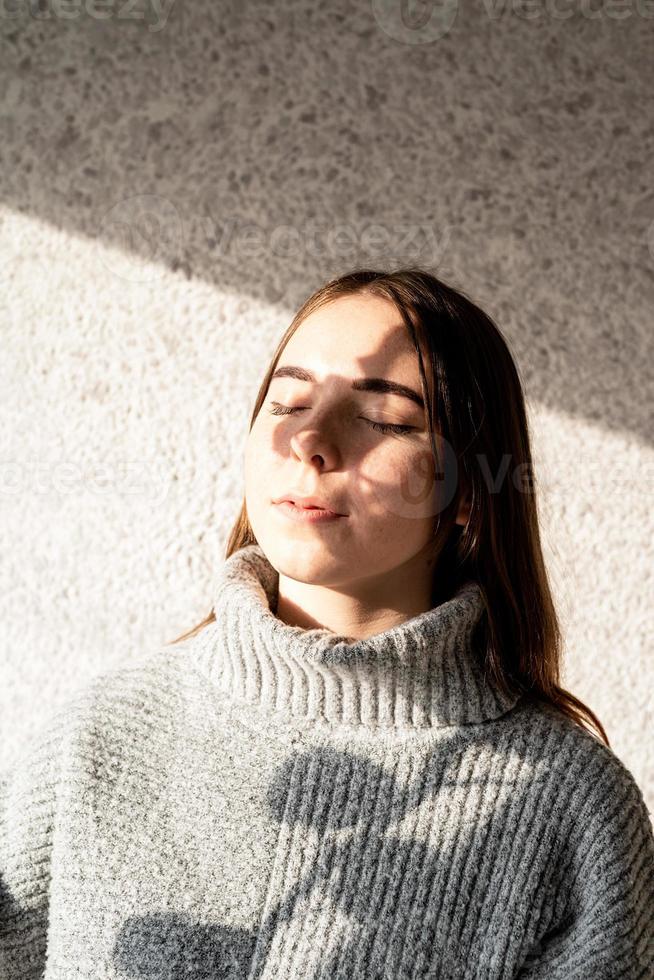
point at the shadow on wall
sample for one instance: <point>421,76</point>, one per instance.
<point>266,149</point>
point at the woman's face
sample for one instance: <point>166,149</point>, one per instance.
<point>382,482</point>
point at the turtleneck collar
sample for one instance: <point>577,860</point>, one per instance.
<point>423,673</point>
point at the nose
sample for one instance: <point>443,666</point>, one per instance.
<point>314,446</point>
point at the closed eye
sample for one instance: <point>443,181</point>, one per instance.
<point>279,409</point>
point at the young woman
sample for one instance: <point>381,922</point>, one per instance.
<point>361,764</point>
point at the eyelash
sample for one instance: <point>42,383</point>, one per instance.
<point>378,426</point>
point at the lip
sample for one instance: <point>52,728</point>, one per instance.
<point>306,515</point>
<point>306,503</point>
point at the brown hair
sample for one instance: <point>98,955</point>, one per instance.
<point>474,399</point>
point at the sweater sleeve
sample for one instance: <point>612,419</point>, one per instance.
<point>605,930</point>
<point>28,797</point>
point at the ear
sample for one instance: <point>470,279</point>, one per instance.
<point>463,513</point>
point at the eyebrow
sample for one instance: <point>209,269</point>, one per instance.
<point>379,385</point>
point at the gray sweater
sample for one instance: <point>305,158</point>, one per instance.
<point>264,801</point>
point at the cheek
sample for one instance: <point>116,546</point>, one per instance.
<point>402,487</point>
<point>253,468</point>
<point>261,470</point>
<point>262,439</point>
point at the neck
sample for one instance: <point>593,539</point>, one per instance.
<point>355,611</point>
<point>425,672</point>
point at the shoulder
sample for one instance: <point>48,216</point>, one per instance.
<point>142,696</point>
<point>592,847</point>
<point>582,804</point>
<point>588,778</point>
<point>149,700</point>
<point>146,683</point>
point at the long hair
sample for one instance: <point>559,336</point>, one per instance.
<point>474,399</point>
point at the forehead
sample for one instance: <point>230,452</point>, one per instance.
<point>356,335</point>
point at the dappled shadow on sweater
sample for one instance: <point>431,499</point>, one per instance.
<point>374,878</point>
<point>170,945</point>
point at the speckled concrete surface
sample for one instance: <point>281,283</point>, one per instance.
<point>173,186</point>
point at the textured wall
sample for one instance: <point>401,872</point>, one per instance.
<point>174,185</point>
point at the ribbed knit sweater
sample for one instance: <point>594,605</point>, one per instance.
<point>266,801</point>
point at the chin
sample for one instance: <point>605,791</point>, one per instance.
<point>306,561</point>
